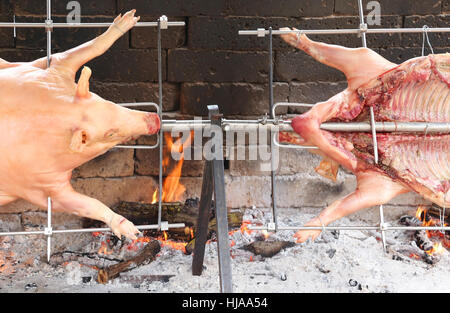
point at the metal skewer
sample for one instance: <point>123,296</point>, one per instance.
<point>285,125</point>
<point>261,32</point>
<point>81,25</point>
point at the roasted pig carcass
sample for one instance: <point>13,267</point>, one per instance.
<point>49,125</point>
<point>414,91</point>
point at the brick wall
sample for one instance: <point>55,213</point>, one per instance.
<point>206,62</point>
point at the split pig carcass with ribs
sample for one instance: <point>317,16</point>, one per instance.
<point>50,125</point>
<point>414,91</point>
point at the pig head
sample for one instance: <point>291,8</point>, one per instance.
<point>50,125</point>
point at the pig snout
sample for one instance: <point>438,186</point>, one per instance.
<point>153,123</point>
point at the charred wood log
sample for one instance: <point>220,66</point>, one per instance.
<point>139,279</point>
<point>176,212</point>
<point>268,248</point>
<point>436,211</point>
<point>88,259</point>
<point>408,252</point>
<point>420,236</point>
<point>147,255</point>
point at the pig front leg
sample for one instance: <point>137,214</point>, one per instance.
<point>71,60</point>
<point>70,201</point>
<point>372,189</point>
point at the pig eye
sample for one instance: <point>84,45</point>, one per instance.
<point>110,133</point>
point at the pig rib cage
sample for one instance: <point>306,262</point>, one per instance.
<point>372,127</point>
<point>162,23</point>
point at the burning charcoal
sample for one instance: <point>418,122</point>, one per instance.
<point>267,248</point>
<point>352,282</point>
<point>30,286</point>
<point>335,233</point>
<point>431,259</point>
<point>410,221</point>
<point>322,269</point>
<point>192,202</point>
<point>422,240</point>
<point>331,253</point>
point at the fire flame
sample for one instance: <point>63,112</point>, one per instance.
<point>437,249</point>
<point>104,249</point>
<point>421,214</point>
<point>172,188</point>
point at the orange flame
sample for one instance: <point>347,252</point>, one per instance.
<point>437,247</point>
<point>172,188</point>
<point>104,249</point>
<point>165,242</point>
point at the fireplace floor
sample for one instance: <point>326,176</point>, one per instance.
<point>350,261</point>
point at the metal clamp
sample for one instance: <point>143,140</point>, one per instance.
<point>384,226</point>
<point>261,32</point>
<point>274,139</point>
<point>164,226</point>
<point>48,25</point>
<point>163,22</point>
<point>140,104</point>
<point>362,29</point>
<point>289,104</point>
<point>271,226</point>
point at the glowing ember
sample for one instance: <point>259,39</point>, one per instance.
<point>104,249</point>
<point>265,234</point>
<point>438,248</point>
<point>138,243</point>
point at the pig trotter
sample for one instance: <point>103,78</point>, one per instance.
<point>304,235</point>
<point>372,189</point>
<point>121,226</point>
<point>69,201</point>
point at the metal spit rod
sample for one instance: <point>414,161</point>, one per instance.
<point>87,230</point>
<point>81,25</point>
<point>285,125</point>
<point>261,32</point>
<point>386,227</point>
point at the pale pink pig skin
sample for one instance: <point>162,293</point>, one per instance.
<point>50,125</point>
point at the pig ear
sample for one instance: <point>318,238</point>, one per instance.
<point>78,141</point>
<point>83,83</point>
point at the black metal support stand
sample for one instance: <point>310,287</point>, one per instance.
<point>214,177</point>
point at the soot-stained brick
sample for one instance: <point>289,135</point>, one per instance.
<point>217,66</point>
<point>436,39</point>
<point>292,8</point>
<point>232,99</point>
<point>63,38</point>
<point>127,66</point>
<point>87,7</point>
<point>400,7</point>
<point>174,7</point>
